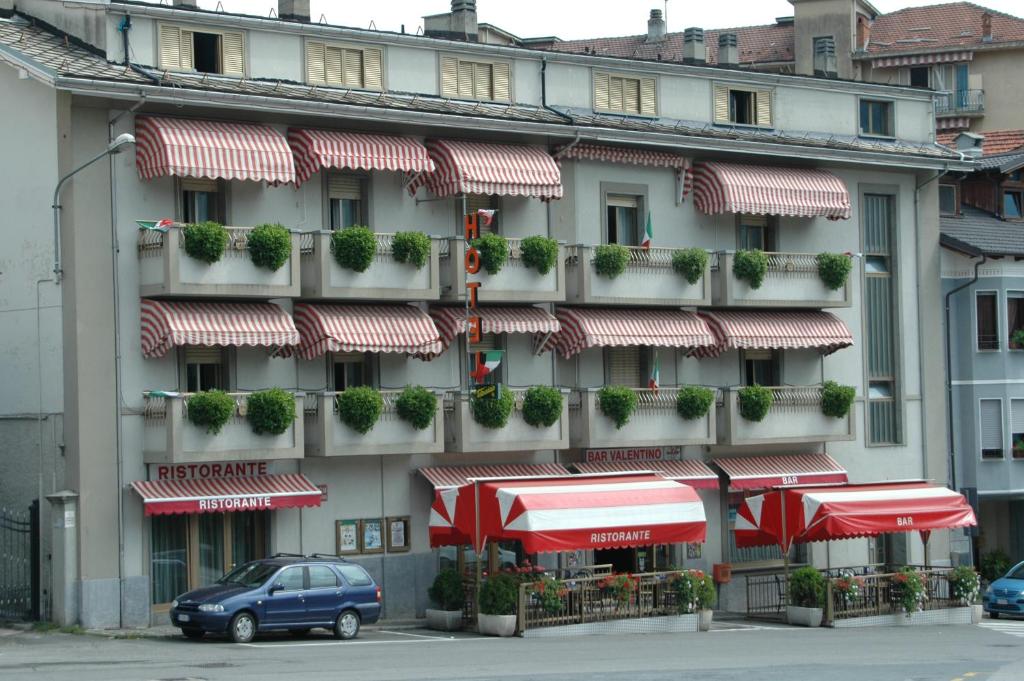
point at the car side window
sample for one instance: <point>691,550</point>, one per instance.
<point>291,578</point>
<point>355,575</point>
<point>322,577</point>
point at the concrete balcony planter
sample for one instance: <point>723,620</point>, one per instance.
<point>654,423</point>
<point>496,625</point>
<point>794,417</point>
<point>648,280</point>
<point>326,435</point>
<point>166,270</point>
<point>169,437</point>
<point>444,620</point>
<point>515,283</point>
<point>386,278</point>
<point>464,434</point>
<point>792,281</point>
<point>804,617</point>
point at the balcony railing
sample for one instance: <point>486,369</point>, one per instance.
<point>169,436</point>
<point>166,270</point>
<point>792,280</point>
<point>960,102</point>
<point>385,279</point>
<point>648,280</point>
<point>326,435</point>
<point>654,423</point>
<point>516,282</point>
<point>464,434</point>
<point>794,417</point>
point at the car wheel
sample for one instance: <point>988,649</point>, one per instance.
<point>298,632</point>
<point>347,625</point>
<point>243,627</point>
<point>193,633</point>
<point>993,615</point>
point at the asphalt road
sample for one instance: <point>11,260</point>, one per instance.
<point>992,652</point>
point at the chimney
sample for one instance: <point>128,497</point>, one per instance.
<point>971,144</point>
<point>656,27</point>
<point>825,57</point>
<point>293,10</point>
<point>464,18</point>
<point>694,51</point>
<point>728,50</point>
<point>191,4</point>
<point>863,32</point>
<point>986,28</point>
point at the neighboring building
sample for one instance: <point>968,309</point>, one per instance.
<point>245,120</point>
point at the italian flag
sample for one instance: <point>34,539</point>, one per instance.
<point>653,383</point>
<point>486,215</point>
<point>648,233</point>
<point>155,225</point>
<point>486,363</point>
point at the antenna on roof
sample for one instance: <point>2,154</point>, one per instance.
<point>372,26</point>
<point>219,7</point>
<point>273,12</point>
<point>323,19</point>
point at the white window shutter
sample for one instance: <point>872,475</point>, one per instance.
<point>764,108</point>
<point>333,72</point>
<point>502,82</point>
<point>631,95</point>
<point>233,53</point>
<point>615,102</point>
<point>373,72</point>
<point>341,186</point>
<point>624,366</point>
<point>483,81</point>
<point>315,72</point>
<point>1017,416</point>
<point>449,77</point>
<point>601,90</point>
<point>466,77</point>
<point>198,354</point>
<point>170,47</point>
<point>187,50</point>
<point>352,68</point>
<point>648,96</point>
<point>991,424</point>
<point>721,103</point>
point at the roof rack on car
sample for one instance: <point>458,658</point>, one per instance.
<point>328,555</point>
<point>287,555</point>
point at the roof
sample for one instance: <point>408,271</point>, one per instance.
<point>995,141</point>
<point>983,232</point>
<point>940,27</point>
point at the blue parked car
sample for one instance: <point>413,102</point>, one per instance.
<point>1005,596</point>
<point>286,592</point>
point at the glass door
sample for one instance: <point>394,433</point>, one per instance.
<point>248,537</point>
<point>210,548</point>
<point>168,567</point>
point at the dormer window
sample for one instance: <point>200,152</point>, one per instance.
<point>205,51</point>
<point>736,105</point>
<point>344,65</point>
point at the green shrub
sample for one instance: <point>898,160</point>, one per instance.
<point>542,406</point>
<point>994,565</point>
<point>539,252</point>
<point>834,269</point>
<point>210,410</point>
<point>755,401</point>
<point>610,260</point>
<point>499,595</point>
<point>690,263</point>
<point>412,248</point>
<point>446,591</point>
<point>836,399</point>
<point>694,401</point>
<point>270,411</point>
<point>493,251</point>
<point>360,408</point>
<point>908,589</point>
<point>354,248</point>
<point>694,591</point>
<point>205,241</point>
<point>964,584</point>
<point>807,588</point>
<point>1017,339</point>
<point>617,403</point>
<point>550,593</point>
<point>493,412</point>
<point>750,266</point>
<point>270,246</point>
<point>417,405</point>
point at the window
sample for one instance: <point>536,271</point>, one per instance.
<point>876,118</point>
<point>756,232</point>
<point>292,579</point>
<point>881,321</point>
<point>991,426</point>
<point>202,200</point>
<point>208,51</point>
<point>491,341</point>
<point>947,199</point>
<point>478,202</point>
<point>919,76</point>
<point>627,366</point>
<point>1014,316</point>
<point>322,577</point>
<point>623,213</point>
<point>988,322</point>
<point>475,80</point>
<point>623,94</point>
<point>1013,205</point>
<point>358,67</point>
<point>1017,428</point>
<point>761,367</point>
<point>825,56</point>
<point>742,106</point>
<point>355,575</point>
<point>351,370</point>
<point>346,200</point>
<point>205,369</point>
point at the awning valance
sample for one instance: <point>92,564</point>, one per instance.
<point>921,59</point>
<point>745,330</point>
<point>587,327</point>
<point>480,168</point>
<point>316,149</point>
<point>765,190</point>
<point>168,324</point>
<point>215,149</point>
<point>696,474</point>
<point>364,328</point>
<point>451,321</point>
<point>762,472</point>
<point>636,157</point>
<point>219,495</point>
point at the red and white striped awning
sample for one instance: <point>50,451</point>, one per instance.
<point>168,324</point>
<point>696,474</point>
<point>590,327</point>
<point>481,168</point>
<point>921,59</point>
<point>213,149</point>
<point>952,123</point>
<point>743,330</point>
<point>762,472</point>
<point>451,321</point>
<point>316,149</point>
<point>364,328</point>
<point>636,157</point>
<point>220,495</point>
<point>765,190</point>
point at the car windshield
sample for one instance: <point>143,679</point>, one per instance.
<point>249,575</point>
<point>1016,573</point>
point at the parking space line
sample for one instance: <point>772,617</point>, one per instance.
<point>405,633</point>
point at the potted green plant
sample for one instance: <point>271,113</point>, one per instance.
<point>610,260</point>
<point>549,594</point>
<point>706,596</point>
<point>493,252</point>
<point>270,412</point>
<point>493,411</point>
<point>539,252</point>
<point>834,269</point>
<point>836,399</point>
<point>994,565</point>
<point>689,263</point>
<point>751,267</point>
<point>499,596</point>
<point>542,406</point>
<point>448,595</point>
<point>695,594</point>
<point>210,410</point>
<point>908,590</point>
<point>417,406</point>
<point>619,587</point>
<point>617,403</point>
<point>205,241</point>
<point>354,248</point>
<point>806,597</point>
<point>411,248</point>
<point>694,401</point>
<point>270,246</point>
<point>964,587</point>
<point>1017,339</point>
<point>359,408</point>
<point>754,402</point>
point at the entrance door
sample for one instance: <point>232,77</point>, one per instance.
<point>288,604</point>
<point>621,560</point>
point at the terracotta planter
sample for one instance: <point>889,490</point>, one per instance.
<point>704,621</point>
<point>804,617</point>
<point>496,625</point>
<point>444,620</point>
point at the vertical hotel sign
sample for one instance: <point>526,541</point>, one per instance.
<point>476,362</point>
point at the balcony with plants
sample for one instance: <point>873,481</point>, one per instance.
<point>209,259</point>
<point>612,274</point>
<point>517,419</point>
<point>792,280</point>
<point>619,416</point>
<point>363,420</point>
<point>512,270</point>
<point>757,415</point>
<point>219,426</point>
<point>357,263</point>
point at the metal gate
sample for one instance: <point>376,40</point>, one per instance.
<point>19,563</point>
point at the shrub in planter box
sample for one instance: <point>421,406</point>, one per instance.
<point>360,408</point>
<point>498,598</point>
<point>417,406</point>
<point>689,263</point>
<point>610,260</point>
<point>694,401</point>
<point>834,269</point>
<point>412,248</point>
<point>270,412</point>
<point>205,241</point>
<point>836,399</point>
<point>354,248</point>
<point>751,267</point>
<point>539,252</point>
<point>447,594</point>
<point>617,403</point>
<point>806,597</point>
<point>908,589</point>
<point>964,584</point>
<point>493,412</point>
<point>542,406</point>
<point>493,252</point>
<point>210,409</point>
<point>270,246</point>
<point>754,401</point>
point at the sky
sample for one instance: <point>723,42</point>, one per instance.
<point>567,19</point>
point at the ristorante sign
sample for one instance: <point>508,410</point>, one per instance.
<point>198,471</point>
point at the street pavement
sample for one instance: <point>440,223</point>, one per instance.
<point>732,651</point>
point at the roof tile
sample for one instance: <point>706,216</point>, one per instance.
<point>940,27</point>
<point>995,142</point>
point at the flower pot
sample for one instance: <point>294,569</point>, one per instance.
<point>444,620</point>
<point>496,625</point>
<point>803,617</point>
<point>704,621</point>
<point>977,612</point>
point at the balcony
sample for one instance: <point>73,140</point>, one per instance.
<point>166,270</point>
<point>386,278</point>
<point>960,103</point>
<point>792,281</point>
<point>794,417</point>
<point>654,423</point>
<point>326,435</point>
<point>514,283</point>
<point>464,434</point>
<point>169,437</point>
<point>648,280</point>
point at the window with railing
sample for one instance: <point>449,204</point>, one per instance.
<point>881,322</point>
<point>991,427</point>
<point>988,320</point>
